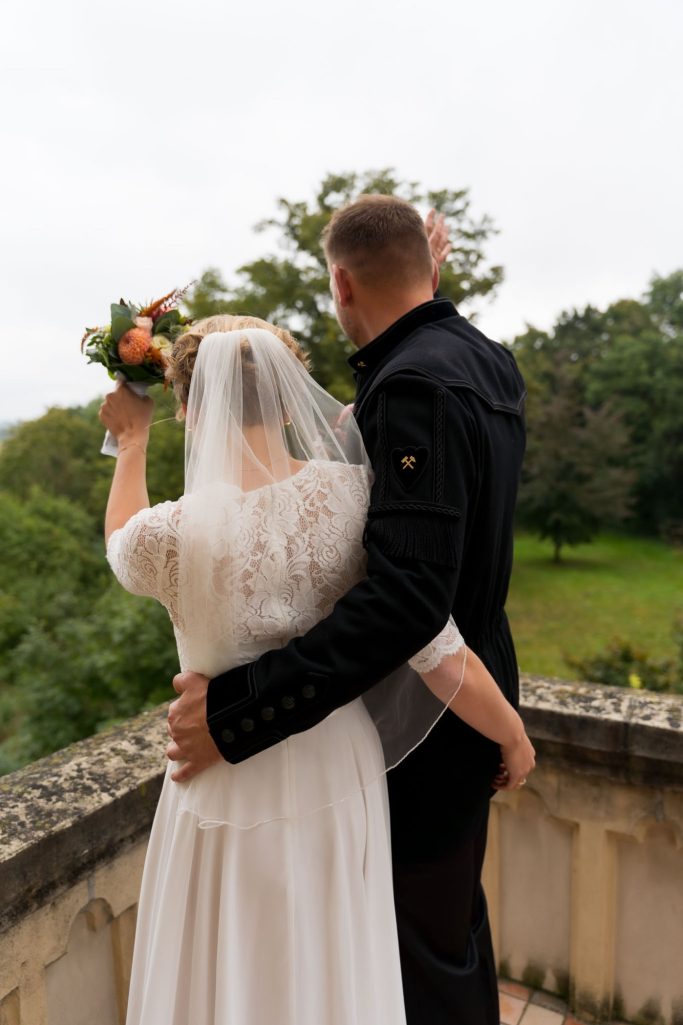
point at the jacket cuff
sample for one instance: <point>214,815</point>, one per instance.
<point>252,721</point>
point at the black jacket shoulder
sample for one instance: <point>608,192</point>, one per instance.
<point>456,355</point>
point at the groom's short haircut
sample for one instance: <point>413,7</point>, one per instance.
<point>381,240</point>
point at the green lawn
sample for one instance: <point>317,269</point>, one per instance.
<point>616,587</point>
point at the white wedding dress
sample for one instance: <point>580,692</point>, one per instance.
<point>290,922</point>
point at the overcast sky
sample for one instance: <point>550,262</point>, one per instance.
<point>141,142</point>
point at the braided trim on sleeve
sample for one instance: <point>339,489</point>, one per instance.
<point>382,439</point>
<point>385,508</point>
<point>439,446</point>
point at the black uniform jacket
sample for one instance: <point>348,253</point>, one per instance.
<point>440,409</point>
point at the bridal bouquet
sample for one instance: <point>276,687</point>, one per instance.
<point>134,345</point>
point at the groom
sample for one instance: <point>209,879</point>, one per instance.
<point>440,410</point>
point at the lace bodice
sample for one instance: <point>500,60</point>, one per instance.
<point>287,578</point>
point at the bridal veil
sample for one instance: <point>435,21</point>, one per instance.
<point>255,421</point>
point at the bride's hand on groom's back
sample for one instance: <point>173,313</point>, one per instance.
<point>190,741</point>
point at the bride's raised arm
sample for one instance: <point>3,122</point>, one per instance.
<point>127,416</point>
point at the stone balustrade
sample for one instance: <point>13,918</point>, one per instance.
<point>584,869</point>
<point>73,833</point>
<point>584,872</point>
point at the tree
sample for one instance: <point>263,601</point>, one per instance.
<point>641,375</point>
<point>60,453</point>
<point>577,340</point>
<point>53,571</point>
<point>573,480</point>
<point>77,674</point>
<point>665,300</point>
<point>76,651</point>
<point>292,289</point>
<point>628,357</point>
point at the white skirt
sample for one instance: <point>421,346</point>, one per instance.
<point>289,923</point>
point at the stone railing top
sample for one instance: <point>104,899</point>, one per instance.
<point>633,735</point>
<point>64,814</point>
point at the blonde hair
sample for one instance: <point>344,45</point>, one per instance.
<point>180,364</point>
<point>381,240</point>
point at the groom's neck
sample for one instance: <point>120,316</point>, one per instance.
<point>378,313</point>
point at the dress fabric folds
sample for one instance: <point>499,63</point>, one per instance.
<point>291,922</point>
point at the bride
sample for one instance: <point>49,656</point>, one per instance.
<point>267,889</point>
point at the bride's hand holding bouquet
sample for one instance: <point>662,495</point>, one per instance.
<point>127,416</point>
<point>135,344</point>
<point>133,347</point>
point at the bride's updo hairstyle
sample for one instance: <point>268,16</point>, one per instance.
<point>381,240</point>
<point>180,365</point>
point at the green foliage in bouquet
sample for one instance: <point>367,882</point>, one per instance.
<point>137,340</point>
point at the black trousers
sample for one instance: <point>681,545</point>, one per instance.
<point>439,799</point>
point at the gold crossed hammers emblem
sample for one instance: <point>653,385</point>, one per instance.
<point>408,462</point>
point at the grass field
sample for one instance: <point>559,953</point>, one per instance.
<point>616,587</point>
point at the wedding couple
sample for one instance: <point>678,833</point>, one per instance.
<point>315,570</point>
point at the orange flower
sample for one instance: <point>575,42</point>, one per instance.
<point>134,346</point>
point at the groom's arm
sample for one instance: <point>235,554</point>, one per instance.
<point>418,437</point>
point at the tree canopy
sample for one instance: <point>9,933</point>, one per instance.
<point>291,288</point>
<point>621,371</point>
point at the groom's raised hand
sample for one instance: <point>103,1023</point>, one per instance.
<point>440,244</point>
<point>190,738</point>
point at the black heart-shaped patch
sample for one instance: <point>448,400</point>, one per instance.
<point>409,464</point>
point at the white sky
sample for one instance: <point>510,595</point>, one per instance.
<point>141,141</point>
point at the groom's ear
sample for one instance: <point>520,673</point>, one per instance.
<point>342,284</point>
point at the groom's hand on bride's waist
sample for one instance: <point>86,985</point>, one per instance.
<point>191,742</point>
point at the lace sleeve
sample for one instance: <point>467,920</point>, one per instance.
<point>144,553</point>
<point>448,642</point>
